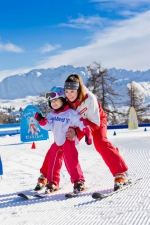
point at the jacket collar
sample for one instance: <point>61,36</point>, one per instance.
<point>77,102</point>
<point>62,109</point>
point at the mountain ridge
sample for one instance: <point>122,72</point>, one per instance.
<point>39,81</point>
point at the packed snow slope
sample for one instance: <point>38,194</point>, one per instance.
<point>21,166</point>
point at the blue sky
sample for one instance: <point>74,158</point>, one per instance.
<point>51,33</point>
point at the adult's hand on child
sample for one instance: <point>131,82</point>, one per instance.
<point>70,134</point>
<point>88,135</point>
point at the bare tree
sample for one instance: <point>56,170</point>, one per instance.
<point>42,104</point>
<point>1,117</point>
<point>136,99</point>
<point>100,83</point>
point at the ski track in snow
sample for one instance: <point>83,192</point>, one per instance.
<point>21,166</point>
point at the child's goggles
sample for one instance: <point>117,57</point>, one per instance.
<point>54,95</point>
<point>51,95</point>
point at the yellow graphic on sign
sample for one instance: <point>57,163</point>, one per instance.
<point>132,122</point>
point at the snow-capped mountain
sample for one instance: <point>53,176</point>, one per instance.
<point>39,81</point>
<point>124,77</point>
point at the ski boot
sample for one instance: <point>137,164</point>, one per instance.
<point>51,187</point>
<point>78,186</point>
<point>42,181</point>
<point>120,180</point>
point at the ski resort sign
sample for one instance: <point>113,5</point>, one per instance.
<point>132,122</point>
<point>30,130</point>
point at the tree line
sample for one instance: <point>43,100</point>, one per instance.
<point>102,84</point>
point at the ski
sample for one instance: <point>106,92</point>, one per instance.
<point>26,196</point>
<point>44,195</point>
<point>74,195</point>
<point>71,195</point>
<point>30,194</point>
<point>100,196</point>
<point>35,194</point>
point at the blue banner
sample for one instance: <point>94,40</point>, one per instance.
<point>30,129</point>
<point>1,167</point>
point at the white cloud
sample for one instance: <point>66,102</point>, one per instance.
<point>125,45</point>
<point>48,48</point>
<point>117,5</point>
<point>127,13</point>
<point>84,22</point>
<point>131,2</point>
<point>9,47</point>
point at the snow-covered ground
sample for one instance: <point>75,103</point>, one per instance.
<point>21,169</point>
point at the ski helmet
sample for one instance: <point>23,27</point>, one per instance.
<point>55,92</point>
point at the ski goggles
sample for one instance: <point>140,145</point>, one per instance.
<point>51,95</point>
<point>54,95</point>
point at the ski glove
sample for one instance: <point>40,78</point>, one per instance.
<point>42,120</point>
<point>88,135</point>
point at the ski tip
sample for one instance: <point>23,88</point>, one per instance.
<point>71,195</point>
<point>97,195</point>
<point>23,196</point>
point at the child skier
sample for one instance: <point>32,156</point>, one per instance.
<point>59,120</point>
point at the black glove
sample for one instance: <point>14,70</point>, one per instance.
<point>38,116</point>
<point>42,120</point>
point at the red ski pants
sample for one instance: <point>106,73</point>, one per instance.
<point>53,162</point>
<point>108,152</point>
